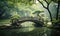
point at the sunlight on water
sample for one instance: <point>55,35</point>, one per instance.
<point>26,29</point>
<point>27,26</point>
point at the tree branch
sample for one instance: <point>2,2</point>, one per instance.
<point>42,4</point>
<point>46,1</point>
<point>46,8</point>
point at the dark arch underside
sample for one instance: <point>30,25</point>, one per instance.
<point>37,22</point>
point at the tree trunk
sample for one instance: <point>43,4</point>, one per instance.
<point>56,26</point>
<point>46,8</point>
<point>57,10</point>
<point>50,14</point>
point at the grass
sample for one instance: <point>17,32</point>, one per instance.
<point>4,21</point>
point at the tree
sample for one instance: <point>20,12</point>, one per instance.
<point>28,2</point>
<point>2,10</point>
<point>48,3</point>
<point>57,23</point>
<point>57,10</point>
<point>5,8</point>
<point>58,2</point>
<point>7,5</point>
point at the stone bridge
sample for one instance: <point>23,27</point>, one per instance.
<point>36,20</point>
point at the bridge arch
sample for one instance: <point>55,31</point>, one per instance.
<point>38,23</point>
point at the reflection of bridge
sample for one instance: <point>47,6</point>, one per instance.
<point>36,20</point>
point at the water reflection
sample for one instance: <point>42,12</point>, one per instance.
<point>27,29</point>
<point>27,26</point>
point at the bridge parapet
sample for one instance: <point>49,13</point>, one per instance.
<point>29,18</point>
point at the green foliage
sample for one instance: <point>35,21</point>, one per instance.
<point>49,1</point>
<point>52,0</point>
<point>20,1</point>
<point>37,12</point>
<point>4,21</point>
<point>55,0</point>
<point>55,21</point>
<point>15,17</point>
<point>9,6</point>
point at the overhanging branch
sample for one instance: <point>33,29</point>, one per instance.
<point>47,3</point>
<point>46,7</point>
<point>42,4</point>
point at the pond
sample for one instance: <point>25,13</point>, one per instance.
<point>27,29</point>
